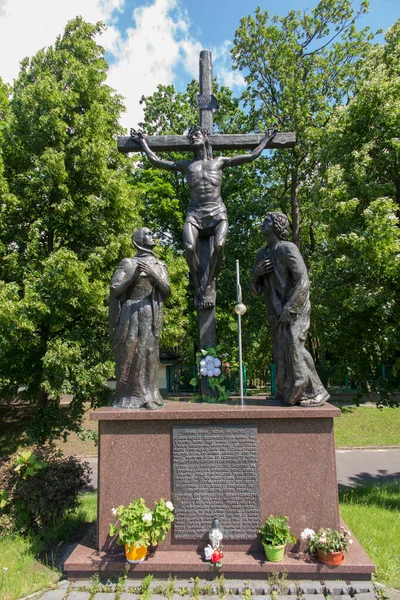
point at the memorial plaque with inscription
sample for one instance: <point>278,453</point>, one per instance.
<point>215,474</point>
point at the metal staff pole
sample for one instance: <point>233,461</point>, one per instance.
<point>240,309</point>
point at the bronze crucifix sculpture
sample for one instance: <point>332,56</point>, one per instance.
<point>206,224</point>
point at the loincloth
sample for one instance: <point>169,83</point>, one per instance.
<point>204,220</point>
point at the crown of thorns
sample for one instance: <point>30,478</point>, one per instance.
<point>192,131</point>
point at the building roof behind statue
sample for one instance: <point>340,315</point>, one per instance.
<point>168,357</point>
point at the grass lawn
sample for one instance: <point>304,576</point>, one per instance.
<point>368,426</point>
<point>27,574</point>
<point>372,512</point>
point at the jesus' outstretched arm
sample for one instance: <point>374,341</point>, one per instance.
<point>155,160</point>
<point>240,159</point>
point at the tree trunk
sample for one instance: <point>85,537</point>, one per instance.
<point>294,201</point>
<point>41,396</point>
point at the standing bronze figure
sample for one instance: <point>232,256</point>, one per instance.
<point>137,291</point>
<point>280,273</point>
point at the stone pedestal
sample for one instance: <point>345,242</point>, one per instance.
<point>296,478</point>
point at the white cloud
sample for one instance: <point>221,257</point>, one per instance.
<point>226,76</point>
<point>28,25</point>
<point>155,42</point>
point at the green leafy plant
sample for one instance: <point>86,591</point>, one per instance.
<point>138,526</point>
<point>37,488</point>
<point>208,365</point>
<point>327,540</point>
<point>221,589</point>
<point>163,518</point>
<point>170,587</point>
<point>145,590</point>
<point>28,464</point>
<point>4,496</point>
<point>276,531</point>
<point>196,587</point>
<point>120,585</point>
<point>207,589</point>
<point>96,583</point>
<point>183,591</point>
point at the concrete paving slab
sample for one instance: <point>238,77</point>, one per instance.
<point>74,595</point>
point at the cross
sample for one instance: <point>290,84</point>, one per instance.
<point>161,143</point>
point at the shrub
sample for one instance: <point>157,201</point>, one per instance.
<point>37,487</point>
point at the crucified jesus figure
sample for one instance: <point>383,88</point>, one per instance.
<point>206,213</point>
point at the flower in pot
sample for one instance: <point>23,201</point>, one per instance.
<point>329,544</point>
<point>137,527</point>
<point>275,534</point>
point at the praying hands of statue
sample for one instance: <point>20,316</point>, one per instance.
<point>265,267</point>
<point>146,269</point>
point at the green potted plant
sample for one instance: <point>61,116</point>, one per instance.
<point>137,527</point>
<point>329,544</point>
<point>275,534</point>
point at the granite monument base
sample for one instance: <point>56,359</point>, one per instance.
<point>290,470</point>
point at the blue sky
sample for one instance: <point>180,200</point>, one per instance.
<point>150,41</point>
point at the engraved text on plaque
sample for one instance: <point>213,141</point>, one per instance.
<point>215,474</point>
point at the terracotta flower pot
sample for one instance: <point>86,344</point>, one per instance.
<point>332,559</point>
<point>274,553</point>
<point>135,555</point>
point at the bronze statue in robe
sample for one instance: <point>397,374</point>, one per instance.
<point>137,291</point>
<point>280,273</point>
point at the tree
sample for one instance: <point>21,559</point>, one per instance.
<point>355,271</point>
<point>66,210</point>
<point>297,69</point>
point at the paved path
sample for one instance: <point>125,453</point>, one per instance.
<point>353,466</point>
<point>367,466</point>
<point>234,589</point>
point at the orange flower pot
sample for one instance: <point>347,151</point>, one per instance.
<point>332,559</point>
<point>135,555</point>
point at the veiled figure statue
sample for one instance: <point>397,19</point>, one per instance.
<point>280,273</point>
<point>137,291</point>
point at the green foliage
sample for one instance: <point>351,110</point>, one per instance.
<point>133,524</point>
<point>145,591</point>
<point>67,209</point>
<point>138,526</point>
<point>176,318</point>
<point>28,464</point>
<point>38,487</point>
<point>355,268</point>
<point>162,520</point>
<point>297,68</point>
<point>276,531</point>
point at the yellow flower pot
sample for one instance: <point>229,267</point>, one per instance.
<point>135,555</point>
